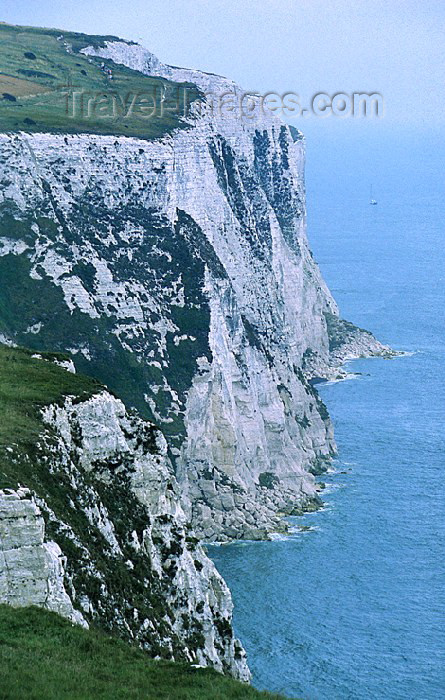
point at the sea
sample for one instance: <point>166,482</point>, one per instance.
<point>352,606</point>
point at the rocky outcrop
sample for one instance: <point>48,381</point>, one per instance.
<point>178,272</point>
<point>32,570</point>
<point>346,342</point>
<point>103,538</point>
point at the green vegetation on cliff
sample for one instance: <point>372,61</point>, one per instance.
<point>44,656</point>
<point>27,384</point>
<point>30,456</point>
<point>41,68</point>
<point>165,254</point>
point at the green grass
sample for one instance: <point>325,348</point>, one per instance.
<point>26,385</point>
<point>44,657</point>
<point>36,68</point>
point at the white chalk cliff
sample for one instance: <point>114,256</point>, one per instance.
<point>31,569</point>
<point>178,272</point>
<point>104,538</point>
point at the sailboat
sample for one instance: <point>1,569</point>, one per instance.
<point>371,198</point>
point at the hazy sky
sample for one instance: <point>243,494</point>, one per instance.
<point>306,46</point>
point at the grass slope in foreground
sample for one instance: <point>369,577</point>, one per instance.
<point>45,657</point>
<point>40,69</point>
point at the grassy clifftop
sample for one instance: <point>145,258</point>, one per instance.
<point>40,68</point>
<point>27,383</point>
<point>45,656</point>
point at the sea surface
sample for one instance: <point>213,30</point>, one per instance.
<point>354,608</point>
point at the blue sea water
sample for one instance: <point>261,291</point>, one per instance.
<point>355,608</point>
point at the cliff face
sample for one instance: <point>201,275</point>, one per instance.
<point>178,271</point>
<point>101,535</point>
<point>31,569</point>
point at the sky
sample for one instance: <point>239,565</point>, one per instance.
<point>392,47</point>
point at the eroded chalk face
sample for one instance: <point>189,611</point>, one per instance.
<point>103,538</point>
